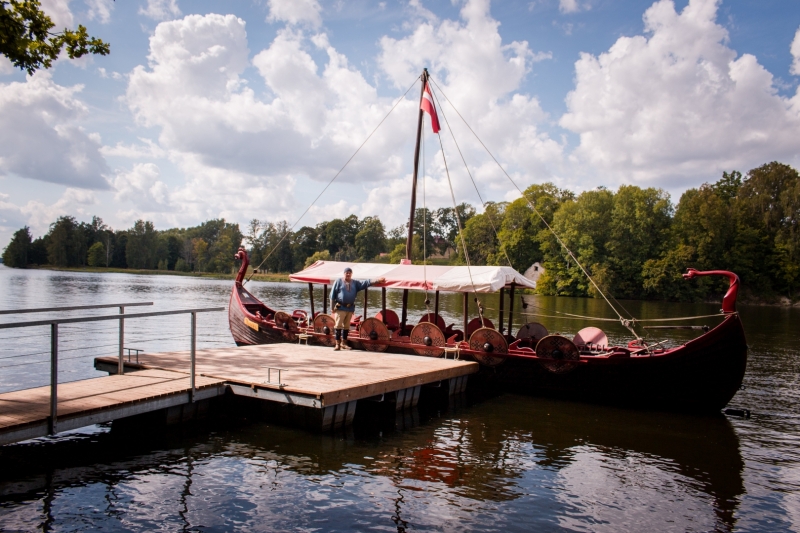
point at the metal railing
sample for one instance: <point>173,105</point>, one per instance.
<point>54,323</point>
<point>72,308</point>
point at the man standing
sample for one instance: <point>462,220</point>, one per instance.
<point>343,304</point>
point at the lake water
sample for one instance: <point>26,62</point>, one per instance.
<point>508,463</point>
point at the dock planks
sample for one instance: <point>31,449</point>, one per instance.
<point>24,414</point>
<point>327,381</point>
<point>331,377</point>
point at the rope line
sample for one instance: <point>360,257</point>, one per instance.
<point>625,322</point>
<point>424,222</point>
<point>458,221</point>
<point>567,316</point>
<point>472,179</point>
<point>331,181</point>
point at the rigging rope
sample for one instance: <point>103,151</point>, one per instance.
<point>460,229</point>
<point>475,185</point>
<point>331,181</point>
<point>424,227</point>
<point>625,322</point>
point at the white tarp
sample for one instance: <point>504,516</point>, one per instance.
<point>420,277</point>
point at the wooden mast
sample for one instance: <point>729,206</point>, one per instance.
<point>410,239</point>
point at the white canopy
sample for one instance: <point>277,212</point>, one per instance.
<point>420,277</point>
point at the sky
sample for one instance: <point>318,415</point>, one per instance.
<point>248,109</point>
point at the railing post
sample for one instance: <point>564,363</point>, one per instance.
<point>194,349</point>
<point>121,364</point>
<point>53,422</point>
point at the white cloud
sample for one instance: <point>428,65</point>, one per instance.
<point>295,12</point>
<point>161,9</point>
<point>41,137</point>
<point>142,187</point>
<point>6,67</point>
<point>228,134</point>
<point>217,131</point>
<point>678,105</point>
<point>59,13</point>
<point>37,215</point>
<point>147,150</point>
<point>100,10</point>
<point>482,76</point>
<point>795,50</point>
<point>569,6</point>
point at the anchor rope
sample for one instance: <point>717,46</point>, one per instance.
<point>627,323</point>
<point>286,234</point>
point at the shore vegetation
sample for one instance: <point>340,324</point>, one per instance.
<point>634,241</point>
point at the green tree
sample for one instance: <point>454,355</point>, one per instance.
<point>583,226</point>
<point>37,253</point>
<point>447,220</point>
<point>66,246</point>
<point>324,255</point>
<point>182,266</point>
<point>97,255</point>
<point>304,245</point>
<point>278,244</point>
<point>141,251</point>
<point>640,225</point>
<point>119,246</point>
<point>768,206</point>
<point>482,245</point>
<point>425,227</point>
<point>199,253</point>
<point>27,40</point>
<point>174,246</point>
<point>15,254</point>
<point>371,240</point>
<point>398,253</point>
<point>518,231</point>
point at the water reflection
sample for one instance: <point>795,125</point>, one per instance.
<point>506,463</point>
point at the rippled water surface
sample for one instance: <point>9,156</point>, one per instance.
<point>508,463</point>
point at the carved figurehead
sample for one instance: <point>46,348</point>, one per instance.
<point>729,300</point>
<point>241,255</point>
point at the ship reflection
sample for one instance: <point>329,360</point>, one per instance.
<point>501,451</point>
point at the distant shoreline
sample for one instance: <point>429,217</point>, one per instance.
<point>208,275</point>
<point>744,297</point>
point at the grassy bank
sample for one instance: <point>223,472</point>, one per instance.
<point>211,275</point>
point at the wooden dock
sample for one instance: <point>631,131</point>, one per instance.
<point>25,414</point>
<point>315,382</point>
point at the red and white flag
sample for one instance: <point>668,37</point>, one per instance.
<point>426,104</point>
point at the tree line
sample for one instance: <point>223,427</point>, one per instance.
<point>208,247</point>
<point>634,242</point>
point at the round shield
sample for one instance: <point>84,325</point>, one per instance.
<point>428,339</point>
<point>532,331</point>
<point>375,330</point>
<point>591,337</point>
<point>557,354</point>
<point>284,322</point>
<point>323,325</point>
<point>488,341</point>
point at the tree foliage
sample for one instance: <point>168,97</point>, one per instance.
<point>15,254</point>
<point>634,242</point>
<point>27,41</point>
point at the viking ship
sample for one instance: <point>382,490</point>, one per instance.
<point>700,375</point>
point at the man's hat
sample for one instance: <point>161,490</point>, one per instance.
<point>348,269</point>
